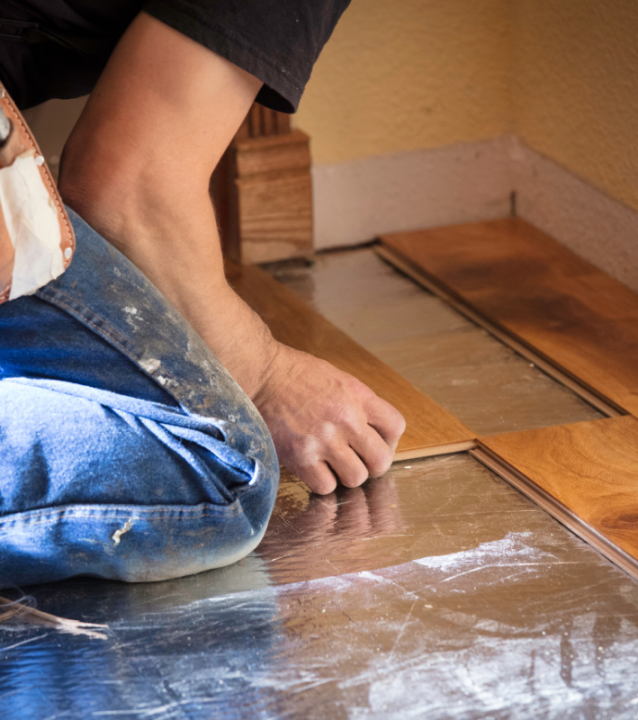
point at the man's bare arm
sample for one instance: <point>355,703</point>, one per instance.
<point>137,168</point>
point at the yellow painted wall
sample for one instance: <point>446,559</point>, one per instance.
<point>575,87</point>
<point>407,74</point>
<point>412,74</point>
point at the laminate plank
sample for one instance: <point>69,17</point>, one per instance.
<point>545,296</point>
<point>585,473</point>
<point>430,429</point>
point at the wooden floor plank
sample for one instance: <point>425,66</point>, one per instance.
<point>430,429</point>
<point>589,471</point>
<point>545,296</point>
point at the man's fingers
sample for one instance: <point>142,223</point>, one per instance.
<point>373,450</point>
<point>386,420</point>
<point>362,450</point>
<point>348,466</point>
<point>326,424</point>
<point>318,477</point>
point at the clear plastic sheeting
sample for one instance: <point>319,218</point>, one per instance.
<point>503,614</point>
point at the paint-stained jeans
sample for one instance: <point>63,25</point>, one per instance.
<point>126,449</point>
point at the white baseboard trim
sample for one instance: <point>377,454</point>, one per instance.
<point>579,215</point>
<point>356,201</point>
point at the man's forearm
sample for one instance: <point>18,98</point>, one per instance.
<point>137,168</point>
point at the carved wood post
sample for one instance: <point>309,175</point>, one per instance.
<point>262,191</point>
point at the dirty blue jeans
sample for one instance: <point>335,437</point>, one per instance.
<point>126,449</point>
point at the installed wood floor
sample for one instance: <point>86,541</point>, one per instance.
<point>590,469</point>
<point>424,342</point>
<point>581,321</point>
<point>526,283</point>
<point>431,430</point>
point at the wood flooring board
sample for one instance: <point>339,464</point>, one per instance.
<point>589,468</point>
<point>549,298</point>
<point>430,428</point>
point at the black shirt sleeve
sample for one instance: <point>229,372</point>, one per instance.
<point>278,41</point>
<point>58,48</point>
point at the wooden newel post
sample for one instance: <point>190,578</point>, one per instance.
<point>262,191</point>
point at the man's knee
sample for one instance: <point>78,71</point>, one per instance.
<point>107,493</point>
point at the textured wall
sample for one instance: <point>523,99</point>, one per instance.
<point>575,87</point>
<point>419,74</point>
<point>409,74</point>
<point>402,75</point>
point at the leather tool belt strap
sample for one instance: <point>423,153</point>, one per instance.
<point>36,238</point>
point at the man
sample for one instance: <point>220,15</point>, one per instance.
<point>127,451</point>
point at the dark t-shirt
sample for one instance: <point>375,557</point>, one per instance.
<point>58,48</point>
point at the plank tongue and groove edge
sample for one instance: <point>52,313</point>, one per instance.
<point>528,285</point>
<point>430,430</point>
<point>585,475</point>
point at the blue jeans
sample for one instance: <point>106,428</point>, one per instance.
<point>126,449</point>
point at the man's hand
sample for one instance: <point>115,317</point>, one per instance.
<point>326,425</point>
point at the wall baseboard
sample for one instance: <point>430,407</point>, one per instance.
<point>579,215</point>
<point>356,201</point>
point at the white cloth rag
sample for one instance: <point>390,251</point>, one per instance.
<point>32,221</point>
